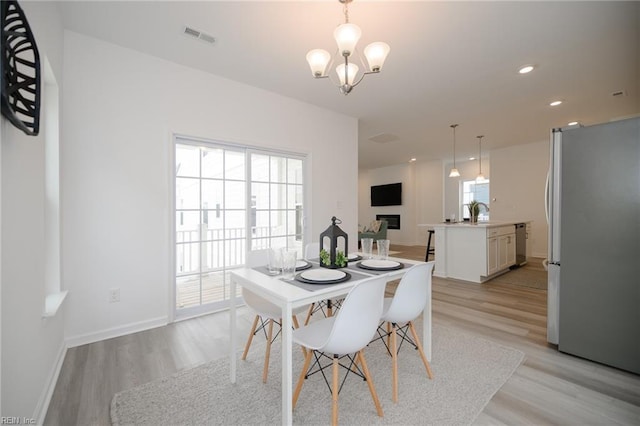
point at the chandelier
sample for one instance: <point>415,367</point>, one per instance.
<point>347,36</point>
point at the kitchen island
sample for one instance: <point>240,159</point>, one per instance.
<point>474,252</point>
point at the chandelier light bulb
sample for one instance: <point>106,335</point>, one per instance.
<point>347,36</point>
<point>376,53</point>
<point>352,70</point>
<point>318,60</point>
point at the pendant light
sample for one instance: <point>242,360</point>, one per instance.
<point>480,177</point>
<point>454,172</point>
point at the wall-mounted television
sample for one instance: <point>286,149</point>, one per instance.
<point>387,195</point>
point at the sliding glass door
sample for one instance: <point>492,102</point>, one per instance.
<point>229,199</point>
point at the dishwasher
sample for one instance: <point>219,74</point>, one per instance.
<point>521,244</point>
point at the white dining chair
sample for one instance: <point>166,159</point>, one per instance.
<point>398,314</point>
<point>343,335</point>
<point>327,307</point>
<point>267,314</point>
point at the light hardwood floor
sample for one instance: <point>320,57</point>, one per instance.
<point>548,388</point>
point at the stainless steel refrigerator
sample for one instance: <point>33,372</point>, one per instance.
<point>593,207</point>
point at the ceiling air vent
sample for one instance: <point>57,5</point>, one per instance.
<point>619,93</point>
<point>383,138</point>
<point>207,38</point>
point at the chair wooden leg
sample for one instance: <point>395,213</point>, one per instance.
<point>265,370</point>
<point>309,313</point>
<point>388,334</point>
<point>372,389</point>
<point>334,392</point>
<point>329,308</point>
<point>394,364</point>
<point>303,373</point>
<point>424,358</point>
<point>250,339</point>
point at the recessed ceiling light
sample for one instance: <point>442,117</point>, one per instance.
<point>472,158</point>
<point>572,123</point>
<point>526,69</point>
<point>412,160</point>
<point>555,103</point>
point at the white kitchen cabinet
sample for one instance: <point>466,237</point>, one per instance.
<point>506,252</point>
<point>492,255</point>
<point>475,252</point>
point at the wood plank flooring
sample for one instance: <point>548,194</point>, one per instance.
<point>548,388</point>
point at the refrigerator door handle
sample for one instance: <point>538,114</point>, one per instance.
<point>546,197</point>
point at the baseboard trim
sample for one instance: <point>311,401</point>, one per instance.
<point>42,407</point>
<point>109,333</point>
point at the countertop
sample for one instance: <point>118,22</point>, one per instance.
<point>480,224</point>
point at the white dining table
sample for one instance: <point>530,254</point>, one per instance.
<point>288,296</point>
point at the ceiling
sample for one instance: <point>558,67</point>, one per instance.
<point>450,62</point>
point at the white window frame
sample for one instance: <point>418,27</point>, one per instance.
<point>179,139</point>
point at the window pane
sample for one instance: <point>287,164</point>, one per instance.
<point>294,196</point>
<point>262,225</point>
<point>187,226</point>
<point>259,243</point>
<point>278,223</point>
<point>234,195</point>
<point>187,161</point>
<point>234,165</point>
<point>212,194</point>
<point>234,252</point>
<point>294,173</point>
<point>278,169</point>
<point>234,223</point>
<point>260,192</point>
<point>187,258</point>
<point>291,222</point>
<point>213,225</point>
<point>278,196</point>
<point>259,168</point>
<point>279,242</point>
<point>212,163</point>
<point>187,193</point>
<point>188,291</point>
<point>213,288</point>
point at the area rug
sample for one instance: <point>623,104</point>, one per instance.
<point>524,277</point>
<point>468,372</point>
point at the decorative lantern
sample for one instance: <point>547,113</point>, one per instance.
<point>329,245</point>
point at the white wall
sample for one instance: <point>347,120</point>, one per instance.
<point>32,349</point>
<point>120,111</point>
<point>518,176</point>
<point>421,198</point>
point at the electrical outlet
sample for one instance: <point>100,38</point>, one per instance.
<point>114,295</point>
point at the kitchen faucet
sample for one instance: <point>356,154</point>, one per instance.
<point>486,207</point>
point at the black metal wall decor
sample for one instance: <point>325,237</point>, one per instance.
<point>337,258</point>
<point>20,70</point>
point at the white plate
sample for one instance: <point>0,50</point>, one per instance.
<point>322,274</point>
<point>380,264</point>
<point>353,256</point>
<point>301,263</point>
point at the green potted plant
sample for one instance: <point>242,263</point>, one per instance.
<point>474,211</point>
<point>341,259</point>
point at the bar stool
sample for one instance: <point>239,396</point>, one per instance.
<point>429,249</point>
